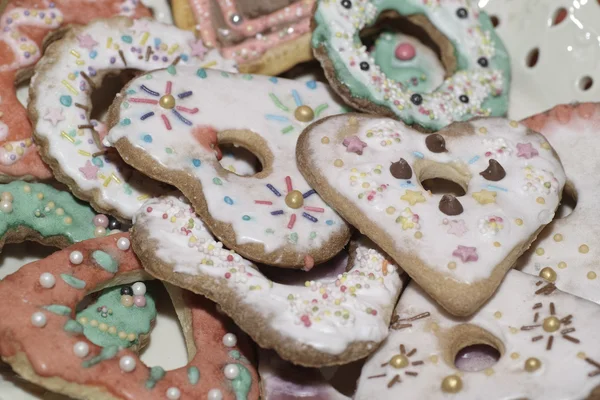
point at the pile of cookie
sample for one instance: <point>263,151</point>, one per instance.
<point>373,220</point>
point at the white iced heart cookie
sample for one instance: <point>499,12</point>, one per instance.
<point>274,216</point>
<point>326,320</point>
<point>60,105</point>
<point>457,248</point>
<point>567,250</point>
<point>547,342</point>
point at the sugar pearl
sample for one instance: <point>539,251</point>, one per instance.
<point>139,288</point>
<point>47,280</point>
<point>123,243</point>
<point>215,394</point>
<point>99,231</point>
<point>173,393</point>
<point>139,301</point>
<point>81,349</point>
<point>76,257</point>
<point>127,301</point>
<point>127,363</point>
<point>38,319</point>
<point>231,371</point>
<point>101,220</point>
<point>6,196</point>
<point>229,340</point>
<point>6,207</point>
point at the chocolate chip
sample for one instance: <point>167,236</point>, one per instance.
<point>494,172</point>
<point>462,13</point>
<point>401,169</point>
<point>435,143</point>
<point>364,66</point>
<point>416,99</point>
<point>347,4</point>
<point>450,205</point>
<point>483,62</point>
<point>463,98</point>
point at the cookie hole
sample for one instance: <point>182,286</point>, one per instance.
<point>103,96</point>
<point>559,16</point>
<point>239,160</point>
<point>567,203</point>
<point>443,186</point>
<point>495,20</point>
<point>532,57</point>
<point>586,83</point>
<point>477,357</point>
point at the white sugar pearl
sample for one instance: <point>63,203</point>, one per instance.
<point>123,243</point>
<point>231,371</point>
<point>100,231</point>
<point>81,349</point>
<point>215,394</point>
<point>76,257</point>
<point>6,207</point>
<point>47,280</point>
<point>173,393</point>
<point>38,319</point>
<point>229,340</point>
<point>127,363</point>
<point>139,289</point>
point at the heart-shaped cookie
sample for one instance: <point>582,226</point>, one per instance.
<point>457,248</point>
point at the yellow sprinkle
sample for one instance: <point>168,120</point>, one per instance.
<point>418,235</point>
<point>545,146</point>
<point>80,62</point>
<point>94,323</point>
<point>83,320</point>
<point>66,136</point>
<point>325,140</point>
<point>112,330</point>
<point>489,372</point>
<point>514,356</point>
<point>483,130</point>
<point>434,359</point>
<point>145,37</point>
<point>27,189</point>
<point>591,275</point>
<point>210,64</point>
<point>107,182</point>
<point>173,219</point>
<point>581,355</point>
<point>390,210</point>
<point>497,314</point>
<point>122,335</point>
<point>20,151</point>
<point>514,124</point>
<point>68,220</point>
<point>558,237</point>
<point>143,197</point>
<point>497,244</point>
<point>451,265</point>
<point>108,42</point>
<point>60,212</point>
<point>76,54</point>
<point>84,153</point>
<point>338,163</point>
<point>71,88</point>
<point>562,265</point>
<point>173,48</point>
<point>115,178</point>
<point>540,200</point>
<point>365,185</point>
<point>131,337</point>
<point>40,196</point>
<point>435,327</point>
<point>539,251</point>
<point>50,205</point>
<point>584,248</point>
<point>103,327</point>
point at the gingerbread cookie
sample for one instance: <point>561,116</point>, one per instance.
<point>546,340</point>
<point>23,26</point>
<point>325,320</point>
<point>475,60</point>
<point>263,36</point>
<point>44,344</point>
<point>567,250</point>
<point>39,212</point>
<point>458,248</point>
<point>272,217</point>
<point>60,104</point>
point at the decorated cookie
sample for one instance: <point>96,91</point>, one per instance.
<point>60,103</point>
<point>326,319</point>
<point>567,250</point>
<point>546,340</point>
<point>272,217</point>
<point>473,56</point>
<point>458,248</point>
<point>39,212</point>
<point>23,26</point>
<point>44,343</point>
<point>263,36</point>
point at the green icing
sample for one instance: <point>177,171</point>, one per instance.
<point>132,319</point>
<point>106,261</point>
<point>241,385</point>
<point>73,326</point>
<point>106,353</point>
<point>58,309</point>
<point>235,354</point>
<point>156,374</point>
<point>193,375</point>
<point>46,210</point>
<point>72,281</point>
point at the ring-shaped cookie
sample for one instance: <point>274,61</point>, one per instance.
<point>273,217</point>
<point>44,344</point>
<point>60,103</point>
<point>475,59</point>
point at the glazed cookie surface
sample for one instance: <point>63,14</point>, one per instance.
<point>23,26</point>
<point>458,248</point>
<point>326,319</point>
<point>567,250</point>
<point>273,217</point>
<point>60,103</point>
<point>546,340</point>
<point>473,56</point>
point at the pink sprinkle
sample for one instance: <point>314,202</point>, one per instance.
<point>487,153</point>
<point>405,52</point>
<point>138,100</point>
<point>165,216</point>
<point>325,296</point>
<point>314,209</point>
<point>139,301</point>
<point>230,258</point>
<point>169,85</point>
<point>149,209</point>
<point>269,203</point>
<point>292,221</point>
<point>227,275</point>
<point>374,312</point>
<point>288,182</point>
<point>166,121</point>
<point>187,110</point>
<point>343,288</point>
<point>309,263</point>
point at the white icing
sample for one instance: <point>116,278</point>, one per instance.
<point>90,49</point>
<point>563,373</point>
<point>261,104</point>
<point>328,313</point>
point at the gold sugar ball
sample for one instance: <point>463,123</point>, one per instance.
<point>304,114</point>
<point>126,300</point>
<point>294,199</point>
<point>551,324</point>
<point>452,384</point>
<point>399,361</point>
<point>532,364</point>
<point>548,274</point>
<point>167,101</point>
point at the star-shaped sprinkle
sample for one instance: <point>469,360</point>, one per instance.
<point>89,171</point>
<point>86,41</point>
<point>485,197</point>
<point>466,253</point>
<point>198,49</point>
<point>54,115</point>
<point>413,197</point>
<point>457,227</point>
<point>526,150</point>
<point>354,145</point>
